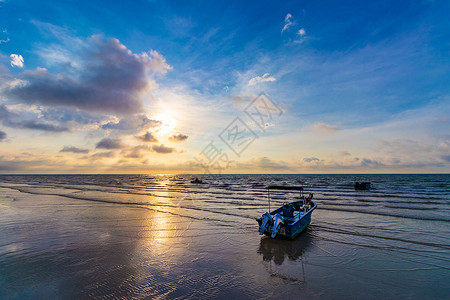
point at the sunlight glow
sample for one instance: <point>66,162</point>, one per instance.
<point>168,123</point>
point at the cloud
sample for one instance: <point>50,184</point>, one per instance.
<point>71,116</point>
<point>11,119</point>
<point>148,137</point>
<point>74,149</point>
<point>10,165</point>
<point>325,127</point>
<point>311,159</point>
<point>5,40</point>
<point>262,163</point>
<point>301,36</point>
<point>444,157</point>
<point>367,162</point>
<point>16,60</point>
<point>2,135</point>
<point>161,149</point>
<point>239,100</point>
<point>34,125</point>
<point>178,137</point>
<point>344,153</point>
<point>110,78</point>
<point>133,122</point>
<point>411,152</point>
<point>288,22</point>
<point>108,143</point>
<point>137,152</point>
<point>102,155</point>
<point>258,79</point>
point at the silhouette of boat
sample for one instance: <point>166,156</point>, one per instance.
<point>362,185</point>
<point>197,181</point>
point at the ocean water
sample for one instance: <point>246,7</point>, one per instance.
<point>146,237</point>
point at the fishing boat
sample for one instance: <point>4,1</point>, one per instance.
<point>197,181</point>
<point>362,186</point>
<point>290,219</point>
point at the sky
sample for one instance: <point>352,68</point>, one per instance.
<point>224,87</point>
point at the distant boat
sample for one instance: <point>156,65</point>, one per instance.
<point>362,185</point>
<point>289,220</point>
<point>197,181</point>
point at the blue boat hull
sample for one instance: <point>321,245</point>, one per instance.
<point>291,230</point>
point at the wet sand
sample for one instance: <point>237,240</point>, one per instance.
<point>61,241</point>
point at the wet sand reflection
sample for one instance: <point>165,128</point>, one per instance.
<point>278,250</point>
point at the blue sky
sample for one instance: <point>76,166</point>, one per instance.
<point>363,85</point>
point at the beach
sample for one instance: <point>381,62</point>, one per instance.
<point>160,236</point>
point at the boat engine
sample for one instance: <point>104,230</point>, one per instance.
<point>278,220</point>
<point>267,221</point>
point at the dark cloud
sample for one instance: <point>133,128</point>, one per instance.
<point>34,125</point>
<point>178,137</point>
<point>148,137</point>
<point>110,78</point>
<point>102,155</point>
<point>108,143</point>
<point>367,162</point>
<point>11,119</point>
<point>446,157</point>
<point>74,149</point>
<point>20,163</point>
<point>345,153</point>
<point>162,149</point>
<point>311,159</point>
<point>2,135</point>
<point>65,115</point>
<point>133,122</point>
<point>10,166</point>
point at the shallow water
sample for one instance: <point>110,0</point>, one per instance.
<point>133,236</point>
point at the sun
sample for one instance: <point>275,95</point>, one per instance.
<point>167,123</point>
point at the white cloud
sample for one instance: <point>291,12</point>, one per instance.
<point>301,36</point>
<point>5,40</point>
<point>288,22</point>
<point>325,127</point>
<point>16,60</point>
<point>157,63</point>
<point>258,79</point>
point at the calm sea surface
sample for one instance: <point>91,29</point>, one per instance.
<point>134,237</point>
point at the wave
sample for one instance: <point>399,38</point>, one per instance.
<point>386,214</point>
<point>143,205</point>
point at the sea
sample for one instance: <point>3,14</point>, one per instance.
<point>163,237</point>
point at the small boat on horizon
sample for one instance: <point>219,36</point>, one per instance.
<point>359,186</point>
<point>197,181</point>
<point>289,220</point>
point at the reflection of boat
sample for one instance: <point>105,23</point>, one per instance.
<point>290,219</point>
<point>277,250</point>
<point>362,185</point>
<point>197,181</point>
